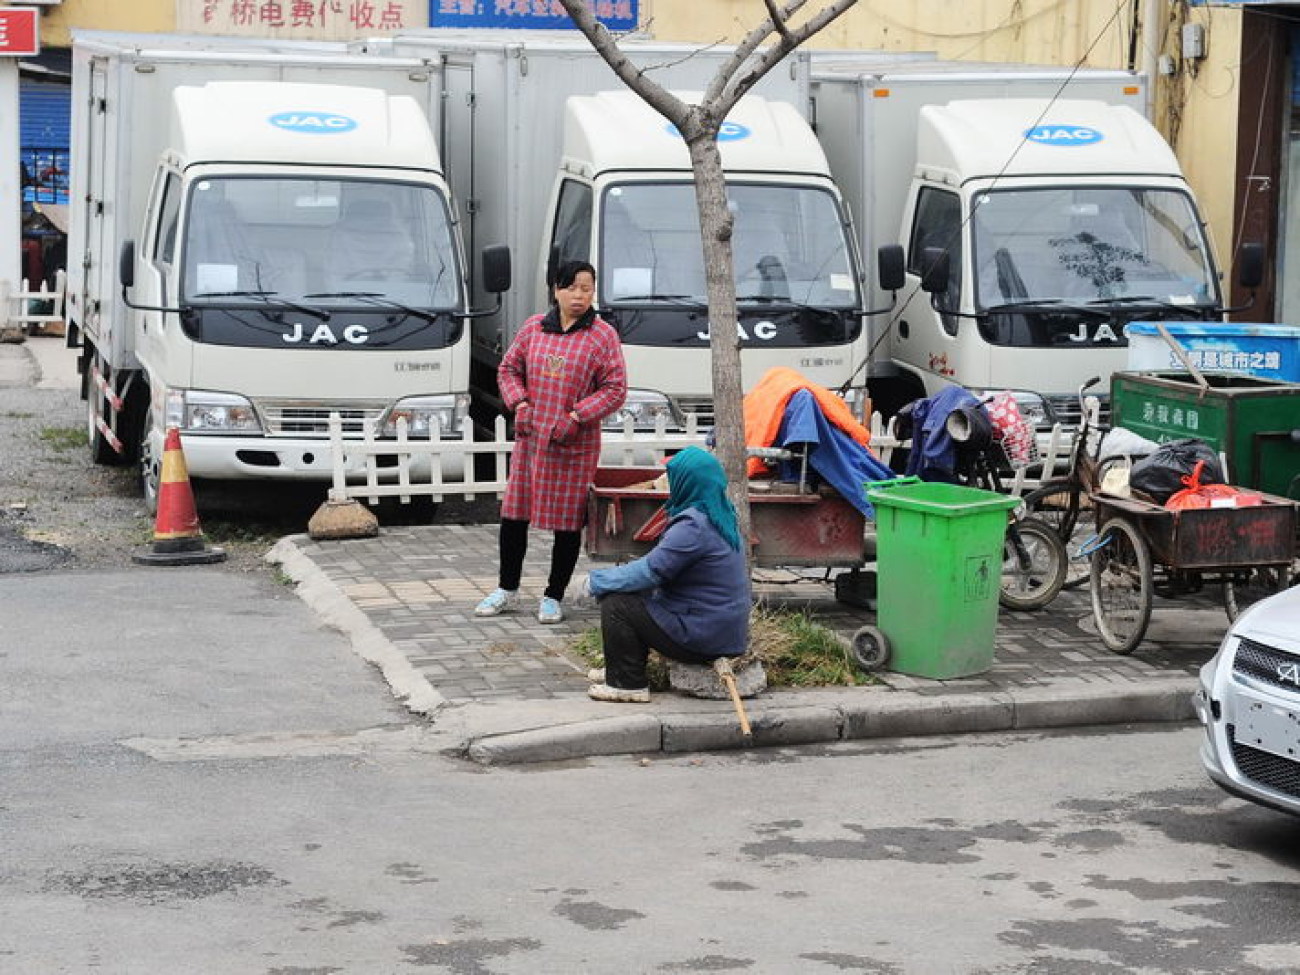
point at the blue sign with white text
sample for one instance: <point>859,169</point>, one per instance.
<point>328,122</point>
<point>527,14</point>
<point>1054,134</point>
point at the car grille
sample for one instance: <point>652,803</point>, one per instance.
<point>1261,663</point>
<point>1278,774</point>
<point>286,419</point>
<point>701,406</point>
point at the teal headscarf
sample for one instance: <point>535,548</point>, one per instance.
<point>696,480</point>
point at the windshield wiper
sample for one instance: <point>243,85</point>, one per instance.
<point>270,298</point>
<point>1185,308</point>
<point>1047,305</point>
<point>380,300</point>
<point>689,301</point>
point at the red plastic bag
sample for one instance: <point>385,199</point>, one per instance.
<point>1198,495</point>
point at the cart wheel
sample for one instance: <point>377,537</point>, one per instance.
<point>1034,564</point>
<point>1122,588</point>
<point>870,648</point>
<point>1245,588</point>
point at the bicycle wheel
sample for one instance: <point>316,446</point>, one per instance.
<point>1055,502</point>
<point>1033,565</point>
<point>1245,588</point>
<point>1122,589</point>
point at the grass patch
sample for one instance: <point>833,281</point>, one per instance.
<point>796,651</point>
<point>19,415</point>
<point>64,438</point>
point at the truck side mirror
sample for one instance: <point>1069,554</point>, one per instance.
<point>126,264</point>
<point>496,268</point>
<point>934,270</point>
<point>891,267</point>
<point>1250,264</point>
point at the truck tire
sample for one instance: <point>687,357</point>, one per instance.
<point>148,463</point>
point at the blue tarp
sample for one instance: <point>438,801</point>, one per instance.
<point>839,459</point>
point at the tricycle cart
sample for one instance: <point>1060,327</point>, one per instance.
<point>1142,548</point>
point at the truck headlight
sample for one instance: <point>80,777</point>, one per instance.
<point>202,411</point>
<point>643,407</point>
<point>1038,413</point>
<point>422,413</point>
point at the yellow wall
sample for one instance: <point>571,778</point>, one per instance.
<point>126,15</point>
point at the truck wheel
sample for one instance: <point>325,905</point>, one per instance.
<point>149,464</point>
<point>870,648</point>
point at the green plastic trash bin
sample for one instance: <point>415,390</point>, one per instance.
<point>939,561</point>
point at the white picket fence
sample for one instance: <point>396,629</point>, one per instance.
<point>16,306</point>
<point>418,470</point>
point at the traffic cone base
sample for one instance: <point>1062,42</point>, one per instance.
<point>177,537</point>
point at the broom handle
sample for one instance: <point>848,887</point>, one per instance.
<point>723,668</point>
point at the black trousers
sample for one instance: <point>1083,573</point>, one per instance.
<point>629,633</point>
<point>513,538</point>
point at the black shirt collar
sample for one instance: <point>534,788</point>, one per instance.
<point>551,320</point>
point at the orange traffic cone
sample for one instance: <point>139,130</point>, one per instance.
<point>177,537</point>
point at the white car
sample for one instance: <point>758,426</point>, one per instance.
<point>1249,704</point>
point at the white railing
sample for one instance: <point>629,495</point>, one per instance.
<point>415,465</point>
<point>420,461</point>
<point>15,306</point>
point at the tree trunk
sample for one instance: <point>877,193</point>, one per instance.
<point>724,336</point>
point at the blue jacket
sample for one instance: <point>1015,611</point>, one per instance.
<point>700,586</point>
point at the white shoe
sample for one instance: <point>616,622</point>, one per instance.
<point>619,695</point>
<point>596,675</point>
<point>496,602</point>
<point>550,611</point>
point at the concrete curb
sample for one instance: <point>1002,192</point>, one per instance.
<point>336,610</point>
<point>898,714</point>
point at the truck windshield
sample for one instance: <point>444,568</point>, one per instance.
<point>790,243</point>
<point>332,243</point>
<point>1094,253</point>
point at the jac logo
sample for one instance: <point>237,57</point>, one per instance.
<point>729,132</point>
<point>1289,673</point>
<point>1063,135</point>
<point>327,122</point>
<point>322,334</point>
<point>1103,332</point>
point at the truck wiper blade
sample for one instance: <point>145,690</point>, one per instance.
<point>1192,307</point>
<point>381,300</point>
<point>782,300</point>
<point>270,298</point>
<point>687,300</point>
<point>1045,305</point>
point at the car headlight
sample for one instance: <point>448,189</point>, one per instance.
<point>422,413</point>
<point>202,411</point>
<point>643,407</point>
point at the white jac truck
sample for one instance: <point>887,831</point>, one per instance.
<point>548,152</point>
<point>1040,213</point>
<point>260,234</point>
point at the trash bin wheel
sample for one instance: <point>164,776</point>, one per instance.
<point>870,648</point>
<point>1121,584</point>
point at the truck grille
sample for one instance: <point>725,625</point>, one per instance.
<point>1263,665</point>
<point>1272,771</point>
<point>1066,409</point>
<point>287,419</point>
<point>701,406</point>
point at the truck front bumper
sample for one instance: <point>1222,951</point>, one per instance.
<point>285,459</point>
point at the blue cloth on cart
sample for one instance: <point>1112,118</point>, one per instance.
<point>839,459</point>
<point>933,456</point>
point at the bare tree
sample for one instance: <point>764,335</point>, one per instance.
<point>699,125</point>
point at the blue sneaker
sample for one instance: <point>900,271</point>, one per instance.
<point>550,611</point>
<point>496,602</point>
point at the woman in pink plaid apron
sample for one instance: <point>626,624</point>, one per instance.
<point>562,375</point>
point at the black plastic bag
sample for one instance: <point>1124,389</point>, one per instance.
<point>1161,473</point>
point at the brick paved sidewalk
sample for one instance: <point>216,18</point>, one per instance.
<point>418,587</point>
